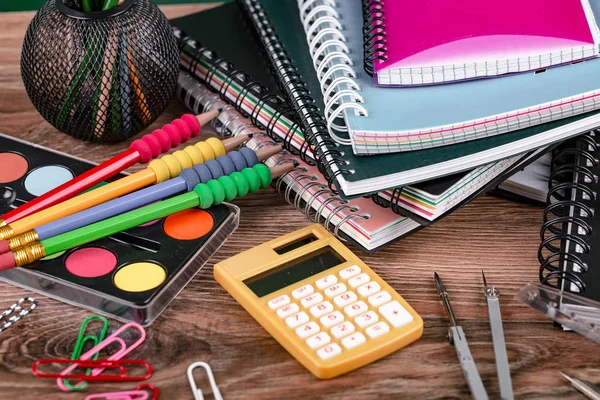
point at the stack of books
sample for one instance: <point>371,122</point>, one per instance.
<point>420,109</point>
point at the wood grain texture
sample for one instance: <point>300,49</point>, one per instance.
<point>205,323</point>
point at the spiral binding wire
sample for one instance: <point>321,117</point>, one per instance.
<point>374,35</point>
<point>194,49</point>
<point>566,206</point>
<point>301,183</point>
<point>314,126</point>
<point>326,43</point>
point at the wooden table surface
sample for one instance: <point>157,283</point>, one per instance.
<point>205,324</point>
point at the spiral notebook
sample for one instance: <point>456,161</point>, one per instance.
<point>415,118</point>
<point>439,41</point>
<point>360,221</point>
<point>356,176</point>
<point>570,250</point>
<point>426,205</point>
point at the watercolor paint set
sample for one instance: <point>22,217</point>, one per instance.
<point>131,276</point>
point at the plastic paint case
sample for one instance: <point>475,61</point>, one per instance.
<point>113,285</point>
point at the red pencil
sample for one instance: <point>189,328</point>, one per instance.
<point>141,151</point>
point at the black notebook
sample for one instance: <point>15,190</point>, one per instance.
<point>569,254</point>
<point>236,53</point>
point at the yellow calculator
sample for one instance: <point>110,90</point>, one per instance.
<point>320,301</point>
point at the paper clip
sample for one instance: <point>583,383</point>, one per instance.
<point>114,338</point>
<point>16,308</point>
<point>81,341</point>
<point>137,394</point>
<point>120,366</point>
<point>198,392</point>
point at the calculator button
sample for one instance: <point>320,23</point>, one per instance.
<point>297,320</point>
<point>349,272</point>
<point>379,298</point>
<point>366,319</point>
<point>321,309</point>
<point>334,290</point>
<point>395,314</point>
<point>359,280</point>
<point>329,351</point>
<point>343,329</point>
<point>307,330</point>
<point>355,309</point>
<point>354,340</point>
<point>327,281</point>
<point>332,319</point>
<point>279,302</point>
<point>369,289</point>
<point>303,291</point>
<point>321,339</point>
<point>288,310</point>
<point>377,330</point>
<point>311,300</point>
<point>345,298</point>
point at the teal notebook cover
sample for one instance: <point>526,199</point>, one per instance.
<point>278,26</point>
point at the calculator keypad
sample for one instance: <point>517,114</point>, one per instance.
<point>349,307</point>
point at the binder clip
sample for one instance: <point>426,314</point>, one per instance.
<point>198,395</point>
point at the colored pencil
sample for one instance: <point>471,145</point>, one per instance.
<point>140,151</point>
<point>158,171</point>
<point>247,158</point>
<point>204,196</point>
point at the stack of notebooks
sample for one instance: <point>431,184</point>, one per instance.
<point>372,118</point>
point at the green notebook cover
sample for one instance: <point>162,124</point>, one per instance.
<point>277,25</point>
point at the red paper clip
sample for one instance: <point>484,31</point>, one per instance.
<point>115,365</point>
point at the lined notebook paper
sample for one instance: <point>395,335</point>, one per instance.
<point>438,41</point>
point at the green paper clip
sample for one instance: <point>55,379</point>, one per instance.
<point>81,341</point>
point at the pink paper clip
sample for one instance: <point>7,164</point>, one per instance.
<point>118,370</point>
<point>114,338</point>
<point>137,394</point>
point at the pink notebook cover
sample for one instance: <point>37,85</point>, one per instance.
<point>424,33</point>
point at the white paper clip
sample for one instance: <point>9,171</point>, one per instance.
<point>198,392</point>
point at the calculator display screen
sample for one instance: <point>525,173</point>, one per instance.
<point>296,244</point>
<point>294,271</point>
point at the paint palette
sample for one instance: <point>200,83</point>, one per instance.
<point>131,276</point>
